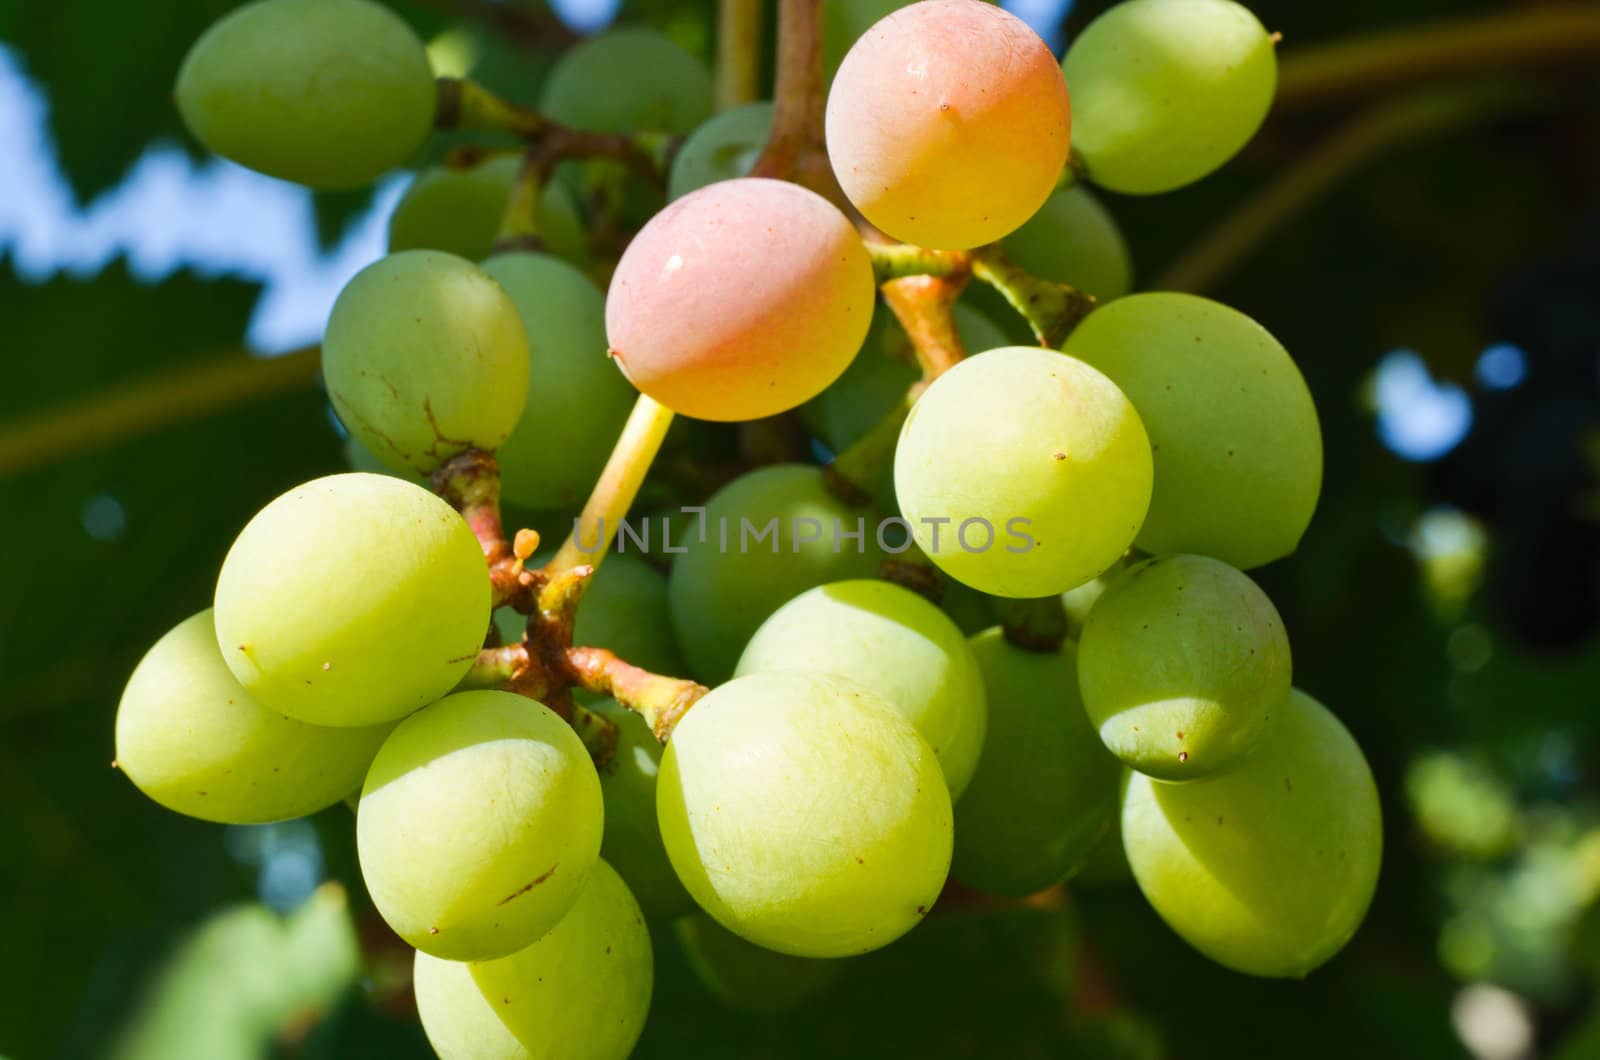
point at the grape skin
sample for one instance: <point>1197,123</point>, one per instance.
<point>719,597</point>
<point>723,148</point>
<point>329,93</point>
<point>1073,239</point>
<point>1268,869</point>
<point>1023,433</point>
<point>425,357</point>
<point>352,600</point>
<point>746,977</point>
<point>628,80</point>
<point>459,211</point>
<point>932,154</point>
<point>894,642</point>
<point>1183,663</point>
<point>1045,790</point>
<point>479,821</point>
<point>1238,451</point>
<point>1165,91</point>
<point>632,843</point>
<point>559,446</point>
<point>740,300</point>
<point>581,990</point>
<point>190,737</point>
<point>805,814</point>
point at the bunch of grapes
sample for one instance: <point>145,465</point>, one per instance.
<point>1055,642</point>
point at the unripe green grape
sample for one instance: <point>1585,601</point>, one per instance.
<point>744,976</point>
<point>1045,790</point>
<point>1073,239</point>
<point>626,80</point>
<point>805,814</point>
<point>933,153</point>
<point>632,843</point>
<point>190,737</point>
<point>330,93</point>
<point>1267,869</point>
<point>1237,448</point>
<point>1165,91</point>
<point>352,600</point>
<point>425,357</point>
<point>479,821</point>
<point>459,211</point>
<point>358,457</point>
<point>1183,664</point>
<point>1037,464</point>
<point>740,300</point>
<point>880,375</point>
<point>560,445</point>
<point>888,639</point>
<point>723,588</point>
<point>723,148</point>
<point>583,989</point>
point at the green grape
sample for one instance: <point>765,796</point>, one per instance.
<point>1022,472</point>
<point>560,445</point>
<point>1165,91</point>
<point>626,80</point>
<point>723,148</point>
<point>714,302</point>
<point>880,375</point>
<point>459,212</point>
<point>1238,453</point>
<point>933,154</point>
<point>352,600</point>
<point>479,821</point>
<point>1184,662</point>
<point>724,587</point>
<point>1045,791</point>
<point>1267,869</point>
<point>805,814</point>
<point>190,737</point>
<point>1078,602</point>
<point>893,642</point>
<point>582,990</point>
<point>330,93</point>
<point>425,357</point>
<point>1107,864</point>
<point>971,610</point>
<point>632,843</point>
<point>358,457</point>
<point>1074,239</point>
<point>744,976</point>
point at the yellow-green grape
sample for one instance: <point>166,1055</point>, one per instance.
<point>740,300</point>
<point>582,990</point>
<point>479,821</point>
<point>1184,663</point>
<point>769,536</point>
<point>1078,602</point>
<point>744,976</point>
<point>1238,452</point>
<point>425,357</point>
<point>1073,239</point>
<point>723,148</point>
<point>947,123</point>
<point>1022,472</point>
<point>628,80</point>
<point>1267,869</point>
<point>190,737</point>
<point>632,843</point>
<point>353,599</point>
<point>894,642</point>
<point>459,211</point>
<point>1045,791</point>
<point>880,375</point>
<point>1165,91</point>
<point>805,814</point>
<point>559,446</point>
<point>330,93</point>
